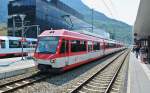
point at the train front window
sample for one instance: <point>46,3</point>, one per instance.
<point>47,45</point>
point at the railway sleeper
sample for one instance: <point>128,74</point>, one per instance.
<point>98,87</point>
<point>18,84</point>
<point>106,75</point>
<point>98,84</point>
<point>89,90</point>
<point>95,83</point>
<point>104,81</point>
<point>115,89</point>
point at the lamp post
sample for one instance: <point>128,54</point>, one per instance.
<point>92,19</point>
<point>22,16</point>
<point>14,23</point>
<point>92,10</point>
<point>37,28</point>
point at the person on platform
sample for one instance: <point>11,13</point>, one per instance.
<point>142,53</point>
<point>133,49</point>
<point>137,50</point>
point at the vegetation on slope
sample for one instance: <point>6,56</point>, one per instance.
<point>118,30</point>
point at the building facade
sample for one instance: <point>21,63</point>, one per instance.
<point>39,15</point>
<point>3,17</point>
<point>48,14</point>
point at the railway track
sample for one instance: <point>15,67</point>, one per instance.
<point>103,80</point>
<point>14,85</point>
<point>24,82</point>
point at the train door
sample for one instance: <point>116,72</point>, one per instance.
<point>65,51</point>
<point>90,49</point>
<point>103,47</point>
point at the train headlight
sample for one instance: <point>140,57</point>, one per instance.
<point>53,61</point>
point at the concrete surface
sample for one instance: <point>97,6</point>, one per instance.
<point>14,66</point>
<point>138,77</point>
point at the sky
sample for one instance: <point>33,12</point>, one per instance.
<point>123,10</point>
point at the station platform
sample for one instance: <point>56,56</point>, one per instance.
<point>138,76</point>
<point>14,66</point>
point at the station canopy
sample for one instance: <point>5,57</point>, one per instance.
<point>142,24</point>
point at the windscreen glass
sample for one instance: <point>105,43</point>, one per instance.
<point>47,45</point>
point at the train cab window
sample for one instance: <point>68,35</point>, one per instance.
<point>2,44</point>
<point>96,46</point>
<point>64,47</point>
<point>47,45</point>
<point>89,46</point>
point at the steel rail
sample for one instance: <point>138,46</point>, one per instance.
<point>21,83</point>
<point>115,76</point>
<point>79,87</point>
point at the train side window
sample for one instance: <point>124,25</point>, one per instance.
<point>2,44</point>
<point>64,47</point>
<point>96,46</point>
<point>78,45</point>
<point>111,45</point>
<point>26,44</point>
<point>74,45</point>
<point>107,45</point>
<point>14,44</point>
<point>34,44</point>
<point>89,46</point>
<point>82,46</point>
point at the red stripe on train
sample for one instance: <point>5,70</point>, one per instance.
<point>3,55</point>
<point>79,63</point>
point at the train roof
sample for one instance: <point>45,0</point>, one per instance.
<point>82,34</point>
<point>67,33</point>
<point>89,33</point>
<point>15,38</point>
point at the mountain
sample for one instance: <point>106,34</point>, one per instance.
<point>118,30</point>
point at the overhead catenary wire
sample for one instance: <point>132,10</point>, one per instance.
<point>108,8</point>
<point>114,8</point>
<point>111,9</point>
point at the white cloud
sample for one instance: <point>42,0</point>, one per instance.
<point>124,10</point>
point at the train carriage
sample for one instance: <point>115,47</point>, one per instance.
<point>62,49</point>
<point>12,45</point>
<point>110,46</point>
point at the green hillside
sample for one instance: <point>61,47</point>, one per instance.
<point>118,30</point>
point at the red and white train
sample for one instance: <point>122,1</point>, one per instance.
<point>62,50</point>
<point>12,45</point>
